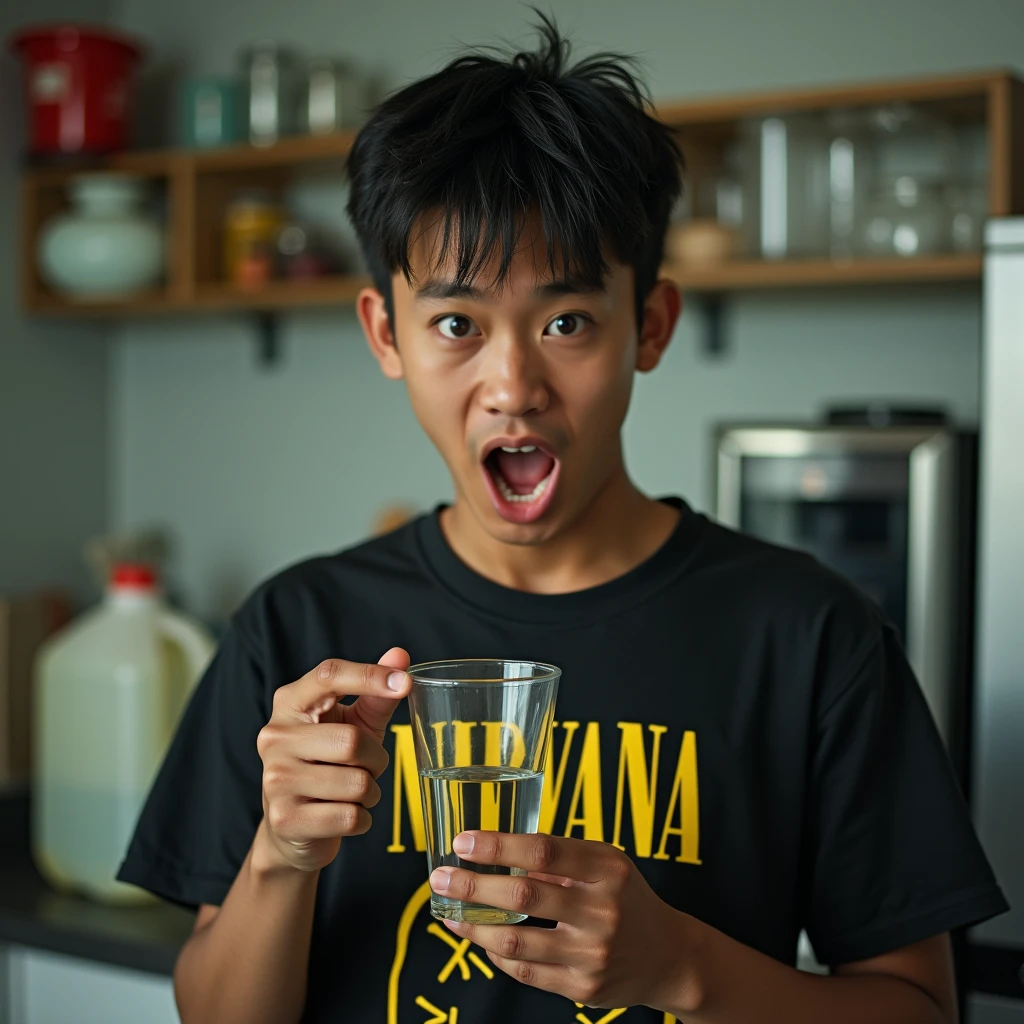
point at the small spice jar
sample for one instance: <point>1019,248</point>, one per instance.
<point>252,222</point>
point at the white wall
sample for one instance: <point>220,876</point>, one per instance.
<point>689,46</point>
<point>53,380</point>
<point>253,468</point>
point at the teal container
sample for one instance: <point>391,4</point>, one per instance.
<point>211,111</point>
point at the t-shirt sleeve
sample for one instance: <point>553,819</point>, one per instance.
<point>892,852</point>
<point>204,808</point>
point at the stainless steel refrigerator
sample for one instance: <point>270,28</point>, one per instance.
<point>996,962</point>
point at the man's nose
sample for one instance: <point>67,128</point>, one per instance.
<point>513,378</point>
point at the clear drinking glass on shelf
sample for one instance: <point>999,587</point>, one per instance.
<point>481,731</point>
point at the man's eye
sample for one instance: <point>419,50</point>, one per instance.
<point>566,326</point>
<point>457,327</point>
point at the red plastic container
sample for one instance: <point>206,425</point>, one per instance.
<point>78,82</point>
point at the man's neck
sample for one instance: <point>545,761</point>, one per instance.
<point>618,530</point>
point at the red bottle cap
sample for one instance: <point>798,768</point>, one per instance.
<point>133,574</point>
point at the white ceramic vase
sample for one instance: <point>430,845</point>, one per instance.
<point>105,247</point>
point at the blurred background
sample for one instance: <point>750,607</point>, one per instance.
<point>185,393</point>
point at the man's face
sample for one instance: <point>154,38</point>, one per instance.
<point>523,387</point>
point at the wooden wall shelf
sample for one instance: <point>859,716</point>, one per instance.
<point>327,291</point>
<point>197,185</point>
<point>221,297</point>
<point>743,275</point>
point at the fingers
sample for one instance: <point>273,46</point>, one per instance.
<point>516,942</point>
<point>561,959</point>
<point>396,657</point>
<point>579,859</point>
<point>545,958</point>
<point>550,977</point>
<point>333,743</point>
<point>374,712</point>
<point>320,689</point>
<point>297,821</point>
<point>321,760</point>
<point>518,893</point>
<point>332,783</point>
<point>554,879</point>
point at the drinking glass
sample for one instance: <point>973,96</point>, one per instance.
<point>481,730</point>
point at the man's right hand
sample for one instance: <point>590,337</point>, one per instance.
<point>321,759</point>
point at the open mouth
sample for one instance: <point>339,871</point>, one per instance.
<point>521,477</point>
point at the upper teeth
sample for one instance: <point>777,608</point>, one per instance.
<point>526,449</point>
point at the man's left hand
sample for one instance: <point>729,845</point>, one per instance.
<point>615,944</point>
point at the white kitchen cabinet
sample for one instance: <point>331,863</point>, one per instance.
<point>47,988</point>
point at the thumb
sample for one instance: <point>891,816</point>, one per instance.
<point>374,713</point>
<point>397,657</point>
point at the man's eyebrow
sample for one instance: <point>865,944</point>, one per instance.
<point>435,289</point>
<point>570,286</point>
<point>442,289</point>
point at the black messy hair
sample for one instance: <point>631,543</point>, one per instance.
<point>495,137</point>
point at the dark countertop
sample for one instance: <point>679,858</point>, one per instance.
<point>33,914</point>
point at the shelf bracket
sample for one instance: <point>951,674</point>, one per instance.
<point>714,344</point>
<point>268,339</point>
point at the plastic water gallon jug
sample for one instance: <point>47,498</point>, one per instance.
<point>109,691</point>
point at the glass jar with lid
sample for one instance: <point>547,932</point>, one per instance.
<point>968,207</point>
<point>785,186</point>
<point>905,216</point>
<point>967,195</point>
<point>912,159</point>
<point>890,168</point>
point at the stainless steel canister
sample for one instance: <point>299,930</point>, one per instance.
<point>332,98</point>
<point>270,78</point>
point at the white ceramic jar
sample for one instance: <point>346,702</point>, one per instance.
<point>106,246</point>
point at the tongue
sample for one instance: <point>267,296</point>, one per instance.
<point>523,471</point>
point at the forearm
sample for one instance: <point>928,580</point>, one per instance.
<point>249,964</point>
<point>726,982</point>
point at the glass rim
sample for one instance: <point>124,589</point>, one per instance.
<point>550,672</point>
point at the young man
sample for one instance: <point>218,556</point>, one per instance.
<point>740,750</point>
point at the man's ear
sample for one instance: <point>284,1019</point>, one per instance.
<point>380,336</point>
<point>661,311</point>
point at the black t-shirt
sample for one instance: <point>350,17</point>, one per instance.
<point>738,719</point>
